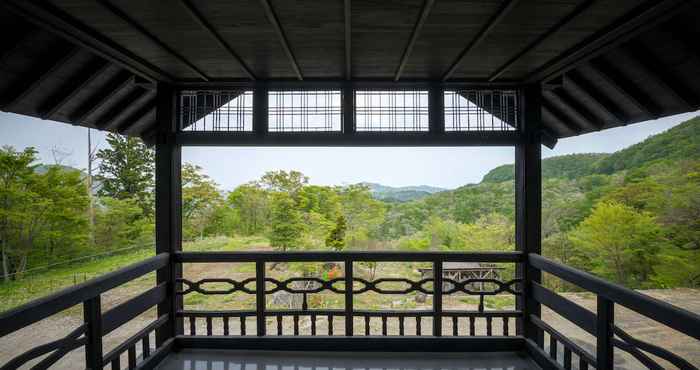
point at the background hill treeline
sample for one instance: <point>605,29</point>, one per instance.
<point>632,216</point>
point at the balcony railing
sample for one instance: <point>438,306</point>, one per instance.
<point>437,329</point>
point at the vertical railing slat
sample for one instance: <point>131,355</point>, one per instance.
<point>604,330</point>
<point>437,298</point>
<point>349,298</point>
<point>92,315</point>
<point>260,297</point>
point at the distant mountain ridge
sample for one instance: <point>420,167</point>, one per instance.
<point>679,142</point>
<point>401,193</point>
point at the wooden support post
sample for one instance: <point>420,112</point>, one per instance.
<point>260,297</point>
<point>348,109</point>
<point>168,203</point>
<point>528,205</point>
<point>92,313</point>
<point>348,298</point>
<point>260,105</point>
<point>437,298</point>
<point>604,331</point>
<point>436,109</point>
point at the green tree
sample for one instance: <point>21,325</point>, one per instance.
<point>250,203</point>
<point>120,223</point>
<point>127,170</point>
<point>286,226</point>
<point>619,242</point>
<point>200,200</point>
<point>282,181</point>
<point>336,238</point>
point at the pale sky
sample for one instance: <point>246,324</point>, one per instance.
<point>230,167</point>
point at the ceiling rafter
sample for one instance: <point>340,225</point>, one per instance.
<point>137,116</point>
<point>582,87</point>
<point>645,16</point>
<point>536,42</point>
<point>561,118</point>
<point>347,14</point>
<point>121,82</point>
<point>653,68</point>
<point>142,30</point>
<point>612,76</point>
<point>202,21</point>
<point>45,15</point>
<point>139,128</point>
<point>18,42</point>
<point>572,108</point>
<point>35,78</point>
<point>75,86</point>
<point>492,22</point>
<point>272,17</point>
<point>422,18</point>
<point>120,109</point>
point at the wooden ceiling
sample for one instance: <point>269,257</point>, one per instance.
<point>601,63</point>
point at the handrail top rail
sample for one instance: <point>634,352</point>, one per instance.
<point>672,316</point>
<point>41,308</point>
<point>354,256</point>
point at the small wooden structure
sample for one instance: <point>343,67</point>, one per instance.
<point>462,271</point>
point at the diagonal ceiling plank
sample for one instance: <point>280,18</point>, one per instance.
<point>536,42</point>
<point>347,13</point>
<point>133,23</point>
<point>645,16</point>
<point>137,117</point>
<point>573,108</point>
<point>55,103</point>
<point>573,81</point>
<point>495,19</point>
<point>272,17</point>
<point>47,68</point>
<point>425,12</point>
<point>561,118</point>
<point>121,82</point>
<point>612,76</point>
<point>109,119</point>
<point>202,21</point>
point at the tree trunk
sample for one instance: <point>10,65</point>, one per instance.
<point>5,267</point>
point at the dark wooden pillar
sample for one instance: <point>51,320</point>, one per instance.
<point>348,109</point>
<point>260,109</point>
<point>528,202</point>
<point>436,109</point>
<point>168,202</point>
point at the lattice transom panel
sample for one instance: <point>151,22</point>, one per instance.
<point>230,111</point>
<point>481,110</point>
<point>393,111</point>
<point>305,111</point>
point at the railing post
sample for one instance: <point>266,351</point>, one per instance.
<point>348,298</point>
<point>604,330</point>
<point>260,297</point>
<point>168,188</point>
<point>437,298</point>
<point>92,315</point>
<point>528,205</point>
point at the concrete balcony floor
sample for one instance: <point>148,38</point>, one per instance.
<point>198,359</point>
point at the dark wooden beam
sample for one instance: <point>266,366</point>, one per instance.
<point>492,22</point>
<point>73,87</point>
<point>357,139</point>
<point>613,77</point>
<point>560,117</point>
<point>204,23</point>
<point>272,17</point>
<point>142,30</point>
<point>45,15</point>
<point>168,194</point>
<point>108,120</point>
<point>661,74</point>
<point>149,107</point>
<point>576,109</point>
<point>425,12</point>
<point>18,41</point>
<point>644,17</point>
<point>122,81</point>
<point>347,12</point>
<point>536,42</point>
<point>603,104</point>
<point>47,67</point>
<point>528,204</point>
<point>687,40</point>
